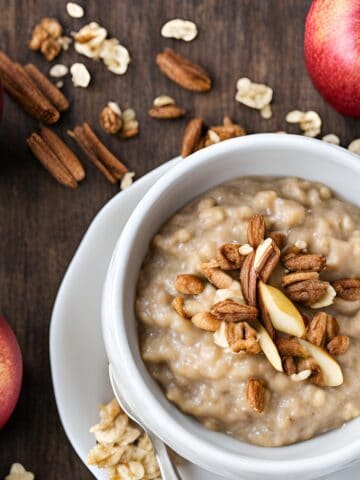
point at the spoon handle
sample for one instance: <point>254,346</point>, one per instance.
<point>167,468</point>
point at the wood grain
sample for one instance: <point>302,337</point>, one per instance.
<point>42,222</point>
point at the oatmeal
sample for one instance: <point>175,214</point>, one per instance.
<point>248,304</point>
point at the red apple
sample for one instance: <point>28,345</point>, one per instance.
<point>11,370</point>
<point>332,52</point>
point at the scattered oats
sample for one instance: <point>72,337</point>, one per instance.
<point>58,70</point>
<point>213,136</point>
<point>65,42</point>
<point>254,95</point>
<point>18,472</point>
<point>127,180</point>
<point>131,471</point>
<point>309,122</point>
<point>354,146</point>
<point>163,100</point>
<point>266,112</point>
<point>179,29</point>
<point>128,115</point>
<point>331,138</point>
<point>115,107</point>
<point>105,456</point>
<point>295,116</point>
<point>89,40</point>
<point>301,244</point>
<point>59,84</point>
<point>80,75</point>
<point>115,56</point>
<point>74,10</point>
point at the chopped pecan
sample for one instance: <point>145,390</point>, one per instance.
<point>304,261</point>
<point>290,346</point>
<point>267,257</point>
<point>206,321</point>
<point>241,337</point>
<point>178,306</point>
<point>166,112</point>
<point>189,284</point>
<point>307,292</point>
<point>316,332</point>
<point>256,230</point>
<point>228,256</point>
<point>183,72</point>
<point>225,132</point>
<point>347,288</point>
<point>295,277</point>
<point>216,276</point>
<point>192,136</point>
<point>248,279</point>
<point>255,394</point>
<point>338,345</point>
<point>332,328</point>
<point>289,365</point>
<point>279,238</point>
<point>231,311</point>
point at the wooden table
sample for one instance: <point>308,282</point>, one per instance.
<point>42,222</point>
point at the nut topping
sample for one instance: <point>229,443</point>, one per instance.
<point>316,333</point>
<point>206,321</point>
<point>304,261</point>
<point>255,394</point>
<point>290,346</point>
<point>216,276</point>
<point>231,311</point>
<point>338,345</point>
<point>183,72</point>
<point>248,279</point>
<point>241,337</point>
<point>178,306</point>
<point>289,365</point>
<point>307,292</point>
<point>347,288</point>
<point>256,230</point>
<point>228,256</point>
<point>267,257</point>
<point>192,136</point>
<point>295,277</point>
<point>279,238</point>
<point>189,284</point>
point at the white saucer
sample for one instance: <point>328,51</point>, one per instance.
<point>78,360</point>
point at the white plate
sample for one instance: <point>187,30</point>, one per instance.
<point>78,360</point>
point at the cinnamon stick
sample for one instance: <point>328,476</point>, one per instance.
<point>51,92</point>
<point>24,91</point>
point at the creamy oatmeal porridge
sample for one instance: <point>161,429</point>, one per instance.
<point>189,286</point>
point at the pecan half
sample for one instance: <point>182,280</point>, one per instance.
<point>166,112</point>
<point>295,277</point>
<point>267,257</point>
<point>307,292</point>
<point>183,72</point>
<point>248,279</point>
<point>206,321</point>
<point>255,394</point>
<point>192,136</point>
<point>231,311</point>
<point>256,230</point>
<point>304,261</point>
<point>178,306</point>
<point>225,132</point>
<point>347,288</point>
<point>338,345</point>
<point>216,276</point>
<point>241,337</point>
<point>228,256</point>
<point>316,332</point>
<point>189,284</point>
<point>290,346</point>
<point>332,327</point>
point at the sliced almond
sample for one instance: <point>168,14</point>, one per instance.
<point>301,376</point>
<point>268,346</point>
<point>326,299</point>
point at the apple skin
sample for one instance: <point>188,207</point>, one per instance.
<point>11,371</point>
<point>332,52</point>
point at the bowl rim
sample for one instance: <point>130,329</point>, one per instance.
<point>119,349</point>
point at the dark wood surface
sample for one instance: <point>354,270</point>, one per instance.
<point>41,222</point>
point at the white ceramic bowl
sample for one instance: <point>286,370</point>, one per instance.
<point>261,154</point>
